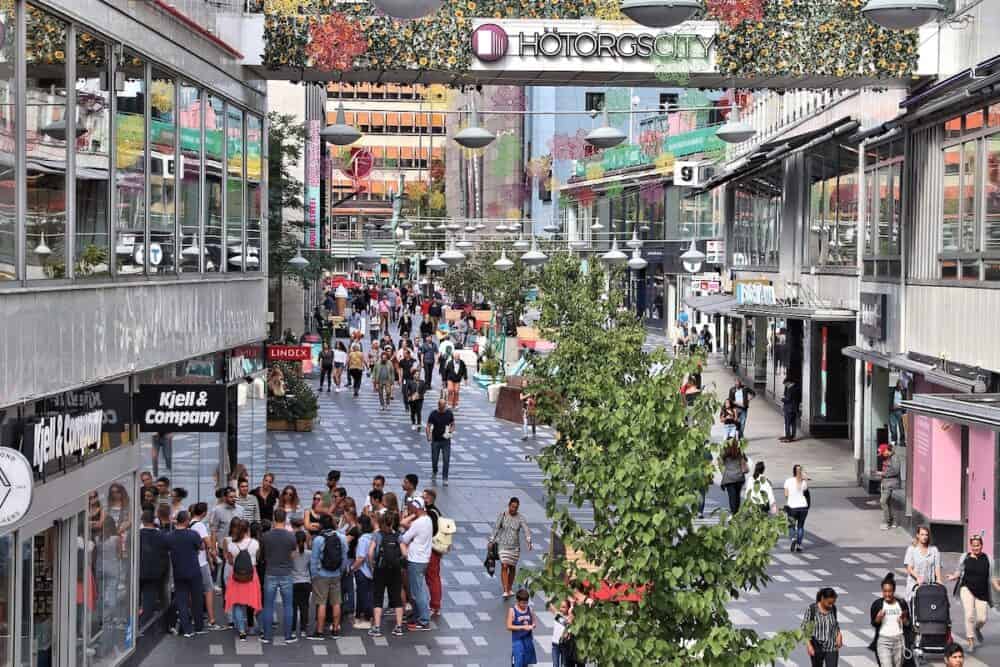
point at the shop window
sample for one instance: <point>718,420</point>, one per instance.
<point>112,531</point>
<point>831,237</point>
<point>130,167</point>
<point>46,149</point>
<point>756,221</point>
<point>255,192</point>
<point>970,217</point>
<point>214,123</point>
<point>92,243</point>
<point>883,193</point>
<point>8,174</point>
<point>163,174</point>
<point>189,179</point>
<point>235,199</point>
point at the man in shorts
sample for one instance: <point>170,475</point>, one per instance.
<point>199,524</point>
<point>326,583</point>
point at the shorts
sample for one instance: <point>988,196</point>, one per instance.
<point>338,364</point>
<point>326,590</point>
<point>391,582</point>
<point>206,578</point>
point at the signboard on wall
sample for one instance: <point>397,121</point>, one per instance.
<point>168,408</point>
<point>873,315</point>
<point>57,437</point>
<point>288,353</point>
<point>754,294</point>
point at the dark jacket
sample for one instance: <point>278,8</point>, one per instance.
<point>791,398</point>
<point>153,555</point>
<point>748,393</point>
<point>907,624</point>
<point>456,372</point>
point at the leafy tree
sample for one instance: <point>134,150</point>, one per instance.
<point>633,453</point>
<point>477,275</point>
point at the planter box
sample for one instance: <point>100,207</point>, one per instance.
<point>303,425</point>
<point>493,392</point>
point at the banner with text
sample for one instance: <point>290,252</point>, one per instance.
<point>168,408</point>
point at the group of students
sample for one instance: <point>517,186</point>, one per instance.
<point>327,562</point>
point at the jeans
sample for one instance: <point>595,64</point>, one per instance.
<point>434,580</point>
<point>190,603</point>
<point>743,421</point>
<point>439,447</point>
<point>526,421</point>
<point>272,585</point>
<point>791,423</point>
<point>363,586</point>
<point>890,651</point>
<point>300,615</point>
<point>796,524</point>
<point>355,374</point>
<point>428,373</point>
<point>556,656</point>
<point>416,411</point>
<point>885,502</point>
<point>240,618</point>
<point>733,492</point>
<point>897,432</point>
<point>420,596</point>
<point>325,373</point>
<point>825,658</point>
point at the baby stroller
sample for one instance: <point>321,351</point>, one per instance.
<point>931,610</point>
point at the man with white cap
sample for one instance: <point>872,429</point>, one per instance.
<point>416,543</point>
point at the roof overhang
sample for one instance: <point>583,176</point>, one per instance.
<point>981,410</point>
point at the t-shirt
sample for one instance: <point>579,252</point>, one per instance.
<point>266,502</point>
<point>219,520</point>
<point>558,627</point>
<point>419,536</point>
<point>406,365</point>
<point>184,545</point>
<point>251,545</point>
<point>364,542</point>
<point>202,530</point>
<point>796,493</point>
<point>977,576</point>
<point>339,357</point>
<point>439,422</point>
<point>278,548</point>
<point>249,508</point>
<point>892,622</point>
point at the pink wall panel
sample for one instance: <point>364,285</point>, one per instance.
<point>947,471</point>
<point>922,443</point>
<point>982,485</point>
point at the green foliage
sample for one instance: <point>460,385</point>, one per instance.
<point>504,289</point>
<point>630,451</point>
<point>299,401</point>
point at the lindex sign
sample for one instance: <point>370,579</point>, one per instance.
<point>702,140</point>
<point>288,353</point>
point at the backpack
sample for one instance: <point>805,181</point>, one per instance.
<point>390,555</point>
<point>333,552</point>
<point>243,567</point>
<point>443,537</point>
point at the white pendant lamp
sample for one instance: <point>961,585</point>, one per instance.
<point>534,257</point>
<point>470,228</point>
<point>692,259</point>
<point>637,263</point>
<point>407,9</point>
<point>453,226</point>
<point>474,136</point>
<point>407,243</point>
<point>551,228</point>
<point>297,262</point>
<point>614,256</point>
<point>735,131</point>
<point>605,136</point>
<point>579,244</point>
<point>453,256</point>
<point>660,13</point>
<point>340,133</point>
<point>405,224</point>
<point>435,263</point>
<point>503,264</point>
<point>903,14</point>
<point>597,226</point>
<point>480,225</point>
<point>465,244</point>
<point>42,249</point>
<point>501,227</point>
<point>193,250</point>
<point>634,243</point>
<point>521,243</point>
<point>368,256</point>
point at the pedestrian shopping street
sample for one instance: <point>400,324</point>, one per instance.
<point>490,463</point>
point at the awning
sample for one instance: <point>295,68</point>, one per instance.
<point>798,313</point>
<point>636,176</point>
<point>969,409</point>
<point>868,356</point>
<point>904,363</point>
<point>711,304</point>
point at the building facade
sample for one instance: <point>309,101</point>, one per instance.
<point>132,263</point>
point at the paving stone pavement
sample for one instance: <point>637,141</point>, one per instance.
<point>489,464</point>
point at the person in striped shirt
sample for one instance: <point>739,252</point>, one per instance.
<point>825,639</point>
<point>248,504</point>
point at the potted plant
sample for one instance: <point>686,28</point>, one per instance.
<point>291,402</point>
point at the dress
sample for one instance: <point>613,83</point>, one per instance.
<point>245,593</point>
<point>507,535</point>
<point>522,642</point>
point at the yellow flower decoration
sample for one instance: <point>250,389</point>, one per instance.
<point>665,163</point>
<point>594,171</point>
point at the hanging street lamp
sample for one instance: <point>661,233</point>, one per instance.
<point>340,133</point>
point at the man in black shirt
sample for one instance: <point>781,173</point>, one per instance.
<point>153,564</point>
<point>440,427</point>
<point>184,545</point>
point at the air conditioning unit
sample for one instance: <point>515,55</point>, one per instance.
<point>692,174</point>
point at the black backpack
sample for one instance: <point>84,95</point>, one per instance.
<point>243,567</point>
<point>333,551</point>
<point>390,555</point>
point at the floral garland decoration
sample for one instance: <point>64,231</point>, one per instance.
<point>335,41</point>
<point>732,12</point>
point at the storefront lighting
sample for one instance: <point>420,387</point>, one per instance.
<point>660,13</point>
<point>605,136</point>
<point>614,256</point>
<point>534,257</point>
<point>597,226</point>
<point>635,242</point>
<point>340,133</point>
<point>407,9</point>
<point>501,227</point>
<point>192,250</point>
<point>551,228</point>
<point>644,228</point>
<point>42,249</point>
<point>637,263</point>
<point>902,14</point>
<point>735,131</point>
<point>436,263</point>
<point>503,264</point>
<point>480,226</point>
<point>474,136</point>
<point>693,258</point>
<point>297,262</point>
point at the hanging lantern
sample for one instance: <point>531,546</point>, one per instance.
<point>614,256</point>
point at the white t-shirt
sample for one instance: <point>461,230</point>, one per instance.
<point>892,622</point>
<point>558,627</point>
<point>796,493</point>
<point>202,530</point>
<point>419,537</point>
<point>339,357</point>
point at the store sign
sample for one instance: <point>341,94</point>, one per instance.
<point>57,437</point>
<point>288,353</point>
<point>873,314</point>
<point>16,486</point>
<point>163,408</point>
<point>755,294</point>
<point>627,156</point>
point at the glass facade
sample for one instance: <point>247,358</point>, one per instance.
<point>832,238</point>
<point>129,170</point>
<point>108,565</point>
<point>884,208</point>
<point>756,221</point>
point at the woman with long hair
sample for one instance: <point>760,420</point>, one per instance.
<point>242,589</point>
<point>390,502</point>
<point>922,562</point>
<point>289,501</point>
<point>313,513</point>
<point>891,619</point>
<point>758,490</point>
<point>339,363</point>
<point>301,584</point>
<point>797,501</point>
<point>730,420</point>
<point>177,497</point>
<point>734,473</point>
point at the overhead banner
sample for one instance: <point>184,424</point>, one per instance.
<point>168,408</point>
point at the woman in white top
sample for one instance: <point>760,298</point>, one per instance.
<point>797,504</point>
<point>922,562</point>
<point>339,363</point>
<point>890,618</point>
<point>757,490</point>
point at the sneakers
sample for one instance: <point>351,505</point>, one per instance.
<point>214,627</point>
<point>417,627</point>
<point>316,637</point>
<point>203,631</point>
<point>362,625</point>
<point>884,526</point>
<point>375,632</point>
<point>446,482</point>
<point>243,636</point>
<point>188,635</point>
<point>291,640</point>
<point>396,631</point>
<point>335,634</point>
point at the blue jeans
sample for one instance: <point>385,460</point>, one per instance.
<point>897,433</point>
<point>364,596</point>
<point>272,585</point>
<point>556,656</point>
<point>240,618</point>
<point>418,591</point>
<point>439,448</point>
<point>797,524</point>
<point>743,420</point>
